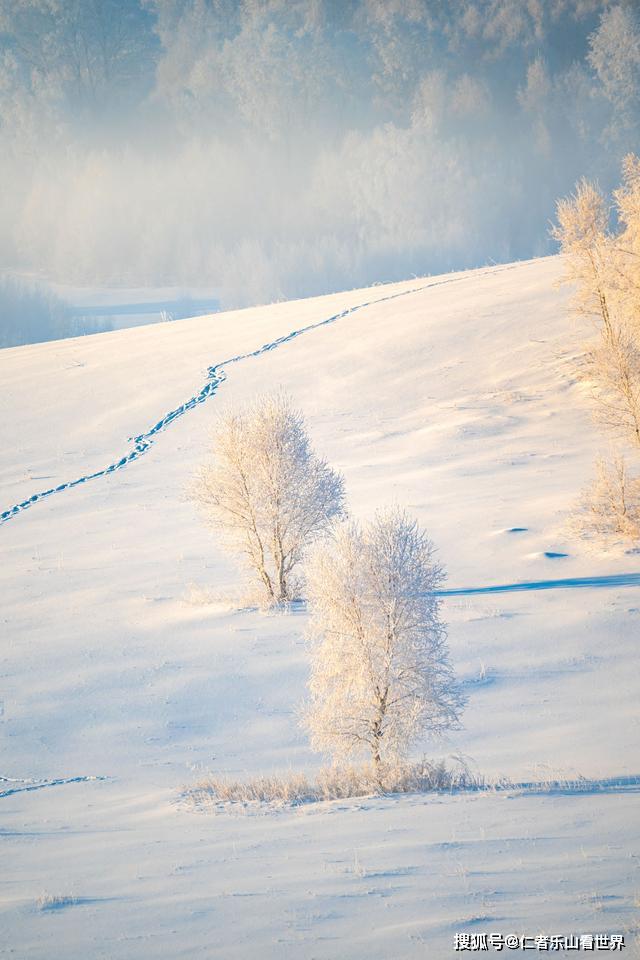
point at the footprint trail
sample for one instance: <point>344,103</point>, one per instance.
<point>216,375</point>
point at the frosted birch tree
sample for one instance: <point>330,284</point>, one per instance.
<point>615,364</point>
<point>605,265</point>
<point>584,240</point>
<point>380,672</point>
<point>267,490</point>
<point>627,262</point>
<point>605,268</point>
<point>610,507</point>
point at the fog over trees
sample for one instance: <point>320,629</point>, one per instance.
<point>280,148</point>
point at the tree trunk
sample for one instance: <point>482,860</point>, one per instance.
<point>377,772</point>
<point>376,746</point>
<point>279,559</point>
<point>282,582</point>
<point>266,579</point>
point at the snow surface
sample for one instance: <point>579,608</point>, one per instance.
<point>459,401</point>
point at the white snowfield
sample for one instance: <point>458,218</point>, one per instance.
<point>456,399</point>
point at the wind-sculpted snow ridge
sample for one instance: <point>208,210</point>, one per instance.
<point>567,583</point>
<point>215,377</point>
<point>29,785</point>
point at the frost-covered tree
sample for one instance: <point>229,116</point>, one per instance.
<point>610,508</point>
<point>582,232</point>
<point>267,489</point>
<point>605,266</point>
<point>627,262</point>
<point>83,54</point>
<point>615,364</point>
<point>615,58</point>
<point>380,672</point>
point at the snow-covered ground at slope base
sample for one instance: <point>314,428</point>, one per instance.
<point>458,401</point>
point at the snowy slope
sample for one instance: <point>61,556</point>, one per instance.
<point>454,396</point>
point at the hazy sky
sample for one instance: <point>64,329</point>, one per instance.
<point>280,148</point>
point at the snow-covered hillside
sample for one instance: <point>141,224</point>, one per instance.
<point>454,396</point>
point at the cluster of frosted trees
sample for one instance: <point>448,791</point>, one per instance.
<point>30,313</point>
<point>380,674</point>
<point>414,113</point>
<point>604,264</point>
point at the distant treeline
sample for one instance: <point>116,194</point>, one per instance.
<point>288,148</point>
<point>31,313</point>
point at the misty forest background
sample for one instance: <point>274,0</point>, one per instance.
<point>285,148</point>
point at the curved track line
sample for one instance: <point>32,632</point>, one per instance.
<point>47,783</point>
<point>216,376</point>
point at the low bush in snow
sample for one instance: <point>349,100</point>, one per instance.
<point>50,901</point>
<point>337,783</point>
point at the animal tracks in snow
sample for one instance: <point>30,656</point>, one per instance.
<point>215,377</point>
<point>27,786</point>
